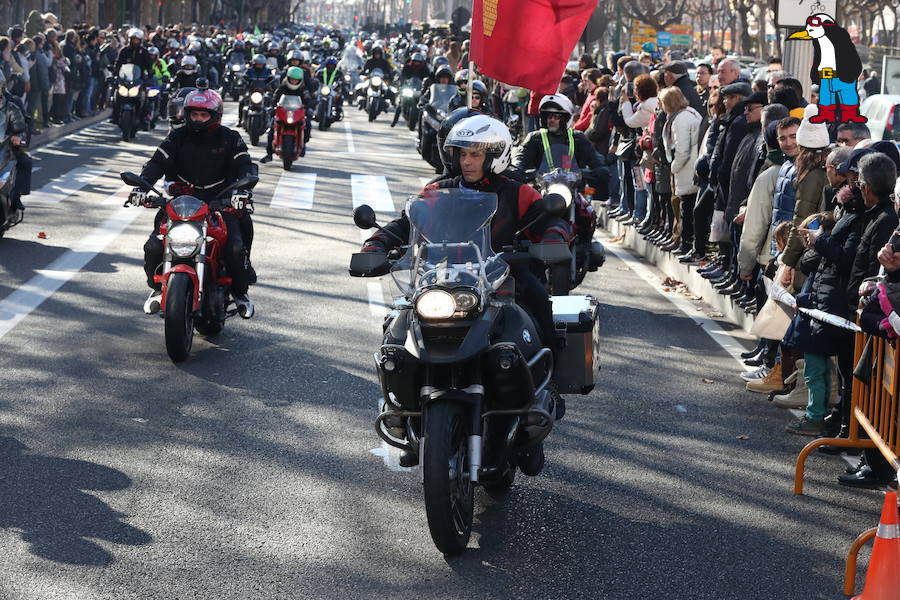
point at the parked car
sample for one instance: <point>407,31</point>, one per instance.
<point>883,112</point>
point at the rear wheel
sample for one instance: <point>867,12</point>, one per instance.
<point>449,492</point>
<point>287,152</point>
<point>179,316</point>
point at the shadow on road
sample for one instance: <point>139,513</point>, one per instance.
<point>44,498</point>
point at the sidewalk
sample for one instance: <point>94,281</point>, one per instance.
<point>55,132</point>
<point>666,262</point>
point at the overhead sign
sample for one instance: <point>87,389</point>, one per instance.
<point>793,13</point>
<point>664,39</point>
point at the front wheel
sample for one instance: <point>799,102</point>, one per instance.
<point>125,124</point>
<point>287,152</point>
<point>373,110</point>
<point>449,492</point>
<point>412,118</point>
<point>179,316</point>
<point>254,132</point>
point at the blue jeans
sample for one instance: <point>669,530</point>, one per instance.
<point>613,183</point>
<point>87,96</point>
<point>626,187</point>
<point>835,91</point>
<point>640,196</point>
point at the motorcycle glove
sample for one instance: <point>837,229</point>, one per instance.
<point>242,200</point>
<point>137,197</point>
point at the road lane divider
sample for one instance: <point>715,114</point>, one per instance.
<point>294,190</point>
<point>349,133</point>
<point>57,190</point>
<point>28,297</point>
<point>372,190</point>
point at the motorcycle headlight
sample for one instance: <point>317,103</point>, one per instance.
<point>325,90</point>
<point>562,190</point>
<point>376,81</point>
<point>346,78</point>
<point>184,240</point>
<point>123,91</point>
<point>408,93</point>
<point>152,93</point>
<point>290,118</point>
<point>465,300</point>
<point>256,98</point>
<point>133,92</point>
<point>435,305</point>
<point>235,68</point>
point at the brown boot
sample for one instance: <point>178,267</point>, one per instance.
<point>773,381</point>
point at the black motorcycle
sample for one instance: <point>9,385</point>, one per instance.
<point>464,375</point>
<point>410,91</point>
<point>129,100</point>
<point>433,113</point>
<point>7,179</point>
<point>233,81</point>
<point>256,115</point>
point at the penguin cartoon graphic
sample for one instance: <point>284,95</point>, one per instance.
<point>836,67</point>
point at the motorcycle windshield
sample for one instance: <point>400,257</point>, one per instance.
<point>186,206</point>
<point>290,102</point>
<point>413,83</point>
<point>129,72</point>
<point>441,95</point>
<point>450,242</point>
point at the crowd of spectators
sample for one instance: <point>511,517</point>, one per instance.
<point>732,177</point>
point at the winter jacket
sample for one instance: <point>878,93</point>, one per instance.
<point>585,117</point>
<point>880,221</point>
<point>601,129</point>
<point>639,117</point>
<point>809,196</point>
<point>710,137</point>
<point>756,236</point>
<point>681,140</point>
<point>838,250</point>
<point>722,159</point>
<point>41,79</point>
<point>689,91</point>
<point>785,194</point>
<point>744,163</point>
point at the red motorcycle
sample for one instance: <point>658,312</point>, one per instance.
<point>195,288</point>
<point>289,138</point>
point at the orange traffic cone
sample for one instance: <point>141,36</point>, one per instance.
<point>883,576</point>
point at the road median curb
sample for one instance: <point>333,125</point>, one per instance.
<point>56,132</point>
<point>669,265</point>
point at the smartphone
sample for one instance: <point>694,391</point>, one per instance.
<point>895,241</point>
<point>813,225</point>
<point>629,89</point>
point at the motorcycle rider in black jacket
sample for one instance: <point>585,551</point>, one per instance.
<point>201,159</point>
<point>17,126</point>
<point>293,85</point>
<point>481,146</point>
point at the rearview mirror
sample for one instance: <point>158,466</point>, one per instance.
<point>364,217</point>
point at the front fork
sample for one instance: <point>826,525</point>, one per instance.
<point>476,430</point>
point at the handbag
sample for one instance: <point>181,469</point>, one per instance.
<point>773,320</point>
<point>718,231</point>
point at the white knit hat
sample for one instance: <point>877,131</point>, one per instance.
<point>812,135</point>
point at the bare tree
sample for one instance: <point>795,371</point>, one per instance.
<point>658,15</point>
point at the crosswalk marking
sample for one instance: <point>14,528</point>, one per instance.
<point>372,190</point>
<point>60,188</point>
<point>295,190</point>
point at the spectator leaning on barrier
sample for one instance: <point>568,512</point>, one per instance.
<point>877,181</point>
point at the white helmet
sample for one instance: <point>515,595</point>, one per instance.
<point>189,61</point>
<point>484,133</point>
<point>556,104</point>
<point>136,32</point>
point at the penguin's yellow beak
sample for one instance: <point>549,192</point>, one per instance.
<point>800,35</point>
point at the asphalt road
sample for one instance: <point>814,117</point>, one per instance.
<point>252,471</point>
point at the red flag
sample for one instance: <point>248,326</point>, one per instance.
<point>527,42</point>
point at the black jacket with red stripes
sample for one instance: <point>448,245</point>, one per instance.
<point>516,207</point>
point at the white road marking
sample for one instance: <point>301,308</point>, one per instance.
<point>372,190</point>
<point>376,299</point>
<point>60,188</point>
<point>19,304</point>
<point>351,149</point>
<point>295,190</point>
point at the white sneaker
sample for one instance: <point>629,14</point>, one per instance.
<point>759,373</point>
<point>244,306</point>
<point>799,396</point>
<point>151,305</point>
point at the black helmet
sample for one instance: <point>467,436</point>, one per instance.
<point>478,87</point>
<point>447,124</point>
<point>443,71</point>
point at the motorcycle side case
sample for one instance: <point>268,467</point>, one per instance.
<point>580,360</point>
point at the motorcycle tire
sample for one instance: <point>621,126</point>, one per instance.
<point>179,318</point>
<point>559,279</point>
<point>209,327</point>
<point>449,495</point>
<point>412,119</point>
<point>373,112</point>
<point>287,153</point>
<point>254,136</point>
<point>322,118</point>
<point>125,124</point>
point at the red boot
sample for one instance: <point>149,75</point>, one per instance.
<point>851,114</point>
<point>826,114</point>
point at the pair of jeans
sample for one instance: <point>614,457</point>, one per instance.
<point>626,187</point>
<point>817,374</point>
<point>612,183</point>
<point>87,95</point>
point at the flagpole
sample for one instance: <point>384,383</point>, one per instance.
<point>469,85</point>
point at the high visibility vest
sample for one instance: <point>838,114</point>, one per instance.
<point>548,156</point>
